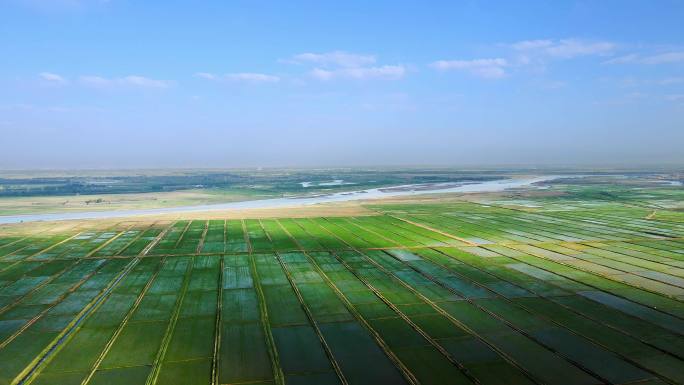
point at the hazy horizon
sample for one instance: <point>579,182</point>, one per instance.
<point>502,168</point>
<point>95,84</point>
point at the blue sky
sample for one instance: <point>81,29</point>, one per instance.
<point>122,83</point>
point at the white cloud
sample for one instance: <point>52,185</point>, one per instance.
<point>61,5</point>
<point>635,95</point>
<point>565,48</point>
<point>623,59</point>
<point>59,109</point>
<point>252,77</point>
<point>661,58</point>
<point>669,81</point>
<point>346,65</point>
<point>18,106</point>
<point>321,74</point>
<point>664,58</point>
<point>335,59</point>
<point>135,81</point>
<point>675,98</point>
<point>640,82</point>
<point>573,48</point>
<point>527,45</point>
<point>387,72</point>
<point>246,77</point>
<point>95,81</point>
<point>141,81</point>
<point>53,79</point>
<point>554,84</point>
<point>484,68</point>
<point>206,75</point>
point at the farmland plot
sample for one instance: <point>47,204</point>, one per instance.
<point>418,294</point>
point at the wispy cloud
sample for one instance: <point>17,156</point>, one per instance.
<point>387,72</point>
<point>333,59</point>
<point>61,5</point>
<point>245,77</point>
<point>17,106</point>
<point>527,45</point>
<point>632,82</point>
<point>532,54</point>
<point>484,68</point>
<point>565,48</point>
<point>553,84</point>
<point>669,81</point>
<point>206,75</point>
<point>664,58</point>
<point>103,82</point>
<point>346,65</point>
<point>624,59</point>
<point>37,108</point>
<point>134,81</point>
<point>675,98</point>
<point>661,58</point>
<point>53,79</point>
<point>624,99</point>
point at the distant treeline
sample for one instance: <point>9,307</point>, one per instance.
<point>113,185</point>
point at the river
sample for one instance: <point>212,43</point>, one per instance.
<point>376,193</point>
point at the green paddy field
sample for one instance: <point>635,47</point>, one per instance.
<point>448,293</point>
